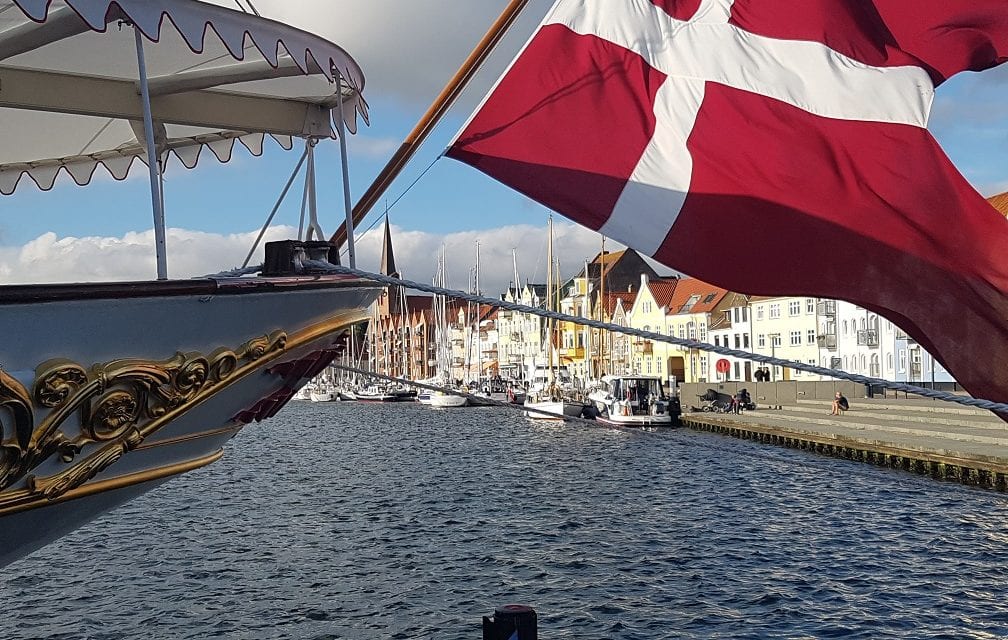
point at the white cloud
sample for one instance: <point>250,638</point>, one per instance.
<point>416,253</point>
<point>409,49</point>
<point>50,258</point>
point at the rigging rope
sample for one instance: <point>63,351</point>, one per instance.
<point>658,337</point>
<point>405,191</point>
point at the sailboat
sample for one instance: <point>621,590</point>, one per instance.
<point>548,397</point>
<point>443,399</point>
<point>111,389</point>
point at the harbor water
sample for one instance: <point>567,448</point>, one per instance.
<point>346,520</point>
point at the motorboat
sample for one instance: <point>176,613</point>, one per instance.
<point>375,393</point>
<point>632,401</point>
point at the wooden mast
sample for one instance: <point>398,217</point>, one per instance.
<point>433,115</point>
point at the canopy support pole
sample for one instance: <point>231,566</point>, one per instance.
<point>313,223</point>
<point>153,163</point>
<point>348,208</point>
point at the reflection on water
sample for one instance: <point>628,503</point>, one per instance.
<point>378,521</point>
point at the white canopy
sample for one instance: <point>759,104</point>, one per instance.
<point>69,96</point>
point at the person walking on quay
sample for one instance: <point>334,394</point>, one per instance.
<point>840,404</point>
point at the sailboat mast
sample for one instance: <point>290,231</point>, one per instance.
<point>479,316</point>
<point>549,301</point>
<point>434,113</point>
<point>602,311</point>
<point>589,374</point>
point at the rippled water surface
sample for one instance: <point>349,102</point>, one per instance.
<point>379,521</point>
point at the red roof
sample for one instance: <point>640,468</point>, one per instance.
<point>695,296</point>
<point>613,296</point>
<point>663,289</point>
<point>1000,202</point>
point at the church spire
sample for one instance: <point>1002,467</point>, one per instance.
<point>388,266</point>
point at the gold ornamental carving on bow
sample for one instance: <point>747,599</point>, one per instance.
<point>118,404</point>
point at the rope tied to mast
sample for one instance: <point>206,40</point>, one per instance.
<point>317,265</point>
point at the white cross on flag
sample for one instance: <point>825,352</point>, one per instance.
<point>770,147</point>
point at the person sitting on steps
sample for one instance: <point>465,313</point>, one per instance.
<point>840,404</point>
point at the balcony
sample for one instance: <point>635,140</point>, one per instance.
<point>827,341</point>
<point>826,308</point>
<point>867,338</point>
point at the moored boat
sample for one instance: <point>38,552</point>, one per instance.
<point>632,401</point>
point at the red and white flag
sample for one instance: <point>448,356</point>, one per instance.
<point>774,148</point>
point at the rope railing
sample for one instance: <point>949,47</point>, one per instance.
<point>990,405</point>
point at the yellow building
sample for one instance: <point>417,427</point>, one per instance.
<point>650,308</point>
<point>694,306</point>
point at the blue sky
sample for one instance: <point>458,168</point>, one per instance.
<point>967,119</point>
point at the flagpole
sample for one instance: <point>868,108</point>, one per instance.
<point>433,115</point>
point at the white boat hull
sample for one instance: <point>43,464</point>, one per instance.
<point>447,400</point>
<point>109,400</point>
<point>552,410</point>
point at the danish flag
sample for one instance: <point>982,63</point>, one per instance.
<point>769,147</point>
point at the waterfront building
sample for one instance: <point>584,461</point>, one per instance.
<point>790,327</point>
<point>616,348</point>
<point>650,308</point>
<point>730,328</point>
<point>400,334</point>
<point>521,336</point>
<point>694,306</point>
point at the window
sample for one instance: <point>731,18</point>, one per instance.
<point>845,327</point>
<point>738,371</point>
<point>710,298</point>
<point>794,307</point>
<point>795,338</point>
<point>759,312</point>
<point>889,361</point>
<point>902,360</point>
<point>688,306</point>
<point>703,332</point>
<point>864,324</point>
<point>692,331</point>
<point>761,340</point>
<point>735,314</point>
<point>776,340</point>
<point>717,341</point>
<point>745,340</point>
<point>738,342</point>
<point>682,331</point>
<point>775,310</point>
<point>703,363</point>
<point>745,314</point>
<point>649,365</point>
<point>658,361</point>
<point>810,335</point>
<point>809,305</point>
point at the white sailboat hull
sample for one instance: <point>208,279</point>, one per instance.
<point>109,400</point>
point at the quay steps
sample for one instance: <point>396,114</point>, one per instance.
<point>983,420</point>
<point>955,441</point>
<point>915,406</point>
<point>992,434</point>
